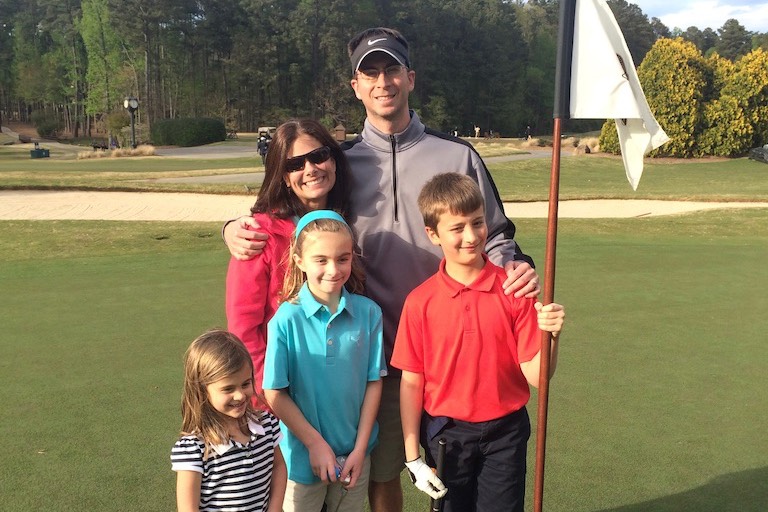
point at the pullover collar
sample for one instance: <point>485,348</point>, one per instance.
<point>380,141</point>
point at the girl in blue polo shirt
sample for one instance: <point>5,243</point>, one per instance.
<point>323,368</point>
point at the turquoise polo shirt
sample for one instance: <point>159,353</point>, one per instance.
<point>326,361</point>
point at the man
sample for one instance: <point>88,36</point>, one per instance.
<point>263,147</point>
<point>394,156</point>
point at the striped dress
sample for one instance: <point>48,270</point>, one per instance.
<point>236,477</point>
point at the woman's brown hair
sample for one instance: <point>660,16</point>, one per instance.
<point>277,199</point>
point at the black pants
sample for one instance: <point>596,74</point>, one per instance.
<point>485,462</point>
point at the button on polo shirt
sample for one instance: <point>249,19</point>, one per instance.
<point>325,360</point>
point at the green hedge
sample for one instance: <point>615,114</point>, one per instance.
<point>187,132</point>
<point>46,123</point>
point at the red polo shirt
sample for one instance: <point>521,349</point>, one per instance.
<point>468,342</point>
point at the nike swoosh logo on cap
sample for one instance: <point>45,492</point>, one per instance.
<point>371,42</point>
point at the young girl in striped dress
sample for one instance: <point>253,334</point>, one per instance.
<point>227,458</point>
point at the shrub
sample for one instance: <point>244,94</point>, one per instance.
<point>749,87</point>
<point>141,150</point>
<point>117,120</point>
<point>609,138</point>
<point>46,123</point>
<point>187,132</point>
<point>673,76</point>
<point>727,131</point>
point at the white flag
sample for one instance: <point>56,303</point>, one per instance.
<point>604,85</point>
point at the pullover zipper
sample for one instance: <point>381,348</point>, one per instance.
<point>393,142</point>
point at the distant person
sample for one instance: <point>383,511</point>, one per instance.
<point>528,132</point>
<point>305,171</point>
<point>263,147</point>
<point>323,370</point>
<point>228,457</point>
<point>477,132</point>
<point>391,159</point>
<point>468,353</point>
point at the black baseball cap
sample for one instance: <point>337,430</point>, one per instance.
<point>380,43</point>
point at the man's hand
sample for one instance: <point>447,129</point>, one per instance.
<point>521,279</point>
<point>425,479</point>
<point>243,238</point>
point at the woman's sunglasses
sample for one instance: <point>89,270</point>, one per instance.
<point>316,156</point>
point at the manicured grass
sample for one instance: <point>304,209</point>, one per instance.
<point>603,177</point>
<point>95,319</point>
<point>18,171</point>
<point>658,404</point>
<point>582,177</point>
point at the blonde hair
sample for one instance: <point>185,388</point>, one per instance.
<point>214,355</point>
<point>449,192</point>
<point>295,277</point>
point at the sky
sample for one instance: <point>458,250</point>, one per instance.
<point>752,14</point>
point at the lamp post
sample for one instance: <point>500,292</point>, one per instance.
<point>132,105</point>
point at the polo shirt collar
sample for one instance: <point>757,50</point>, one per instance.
<point>483,283</point>
<point>256,428</point>
<point>311,306</point>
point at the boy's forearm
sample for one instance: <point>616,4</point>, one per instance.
<point>411,407</point>
<point>532,369</point>
<point>368,413</point>
<point>553,351</point>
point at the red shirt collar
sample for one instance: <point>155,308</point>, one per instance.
<point>483,283</point>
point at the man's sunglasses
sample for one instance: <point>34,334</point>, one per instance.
<point>316,156</point>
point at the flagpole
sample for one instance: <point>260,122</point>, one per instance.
<point>561,111</point>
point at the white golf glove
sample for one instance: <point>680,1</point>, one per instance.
<point>425,479</point>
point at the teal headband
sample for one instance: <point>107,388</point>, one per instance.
<point>317,215</point>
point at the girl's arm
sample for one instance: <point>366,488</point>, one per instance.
<point>354,465</point>
<point>321,456</point>
<point>278,483</point>
<point>550,319</point>
<point>188,490</point>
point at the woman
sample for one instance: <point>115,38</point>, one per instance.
<point>305,170</point>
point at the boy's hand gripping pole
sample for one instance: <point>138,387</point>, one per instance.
<point>437,503</point>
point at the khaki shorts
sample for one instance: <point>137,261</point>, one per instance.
<point>302,497</point>
<point>388,457</point>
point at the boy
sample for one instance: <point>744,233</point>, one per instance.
<point>468,353</point>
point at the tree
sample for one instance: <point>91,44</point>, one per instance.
<point>637,30</point>
<point>660,29</point>
<point>538,23</point>
<point>104,58</point>
<point>735,40</point>
<point>37,70</point>
<point>749,86</point>
<point>694,35</point>
<point>709,40</point>
<point>725,128</point>
<point>8,9</point>
<point>673,78</point>
<point>760,41</point>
